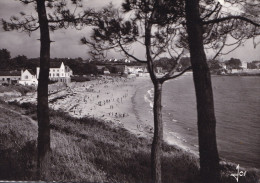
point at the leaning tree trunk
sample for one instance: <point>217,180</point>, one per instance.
<point>42,100</point>
<point>209,158</point>
<point>158,134</point>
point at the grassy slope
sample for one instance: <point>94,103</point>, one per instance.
<point>18,88</point>
<point>88,150</point>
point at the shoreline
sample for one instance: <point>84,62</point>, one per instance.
<point>108,99</point>
<point>146,119</point>
<point>112,100</point>
<point>109,150</point>
<point>91,99</point>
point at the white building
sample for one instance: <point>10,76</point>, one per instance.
<point>58,72</point>
<point>244,65</point>
<point>106,71</point>
<point>135,69</point>
<point>28,77</point>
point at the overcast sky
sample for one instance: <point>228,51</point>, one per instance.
<point>67,42</point>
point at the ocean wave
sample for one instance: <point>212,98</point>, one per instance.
<point>180,142</point>
<point>148,97</point>
<point>176,135</point>
<point>174,120</point>
<point>151,92</point>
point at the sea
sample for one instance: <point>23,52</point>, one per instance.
<point>237,110</point>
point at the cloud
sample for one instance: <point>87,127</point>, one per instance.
<point>67,41</point>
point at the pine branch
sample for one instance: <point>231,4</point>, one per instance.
<point>174,76</point>
<point>218,20</point>
<point>130,55</point>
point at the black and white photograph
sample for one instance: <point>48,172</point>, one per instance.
<point>130,91</point>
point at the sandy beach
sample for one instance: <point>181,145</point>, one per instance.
<point>127,103</point>
<point>107,98</point>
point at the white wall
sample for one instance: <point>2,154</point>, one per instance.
<point>27,76</point>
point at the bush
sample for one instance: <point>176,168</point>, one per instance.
<point>79,78</point>
<point>52,82</point>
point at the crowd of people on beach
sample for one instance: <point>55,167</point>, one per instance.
<point>108,98</point>
<point>102,98</point>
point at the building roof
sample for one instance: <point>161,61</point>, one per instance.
<point>30,71</point>
<point>67,68</point>
<point>10,73</point>
<point>55,64</point>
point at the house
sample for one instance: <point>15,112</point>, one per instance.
<point>10,77</point>
<point>134,69</point>
<point>106,71</point>
<point>58,72</point>
<point>253,65</point>
<point>223,65</point>
<point>101,68</point>
<point>28,77</point>
<point>244,65</point>
<point>257,63</point>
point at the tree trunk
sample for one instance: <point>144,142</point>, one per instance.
<point>156,150</point>
<point>42,100</point>
<point>158,134</point>
<point>209,158</point>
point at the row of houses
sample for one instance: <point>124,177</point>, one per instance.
<point>128,70</point>
<point>62,73</point>
<point>58,72</point>
<point>244,67</point>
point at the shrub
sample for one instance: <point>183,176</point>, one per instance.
<point>80,78</point>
